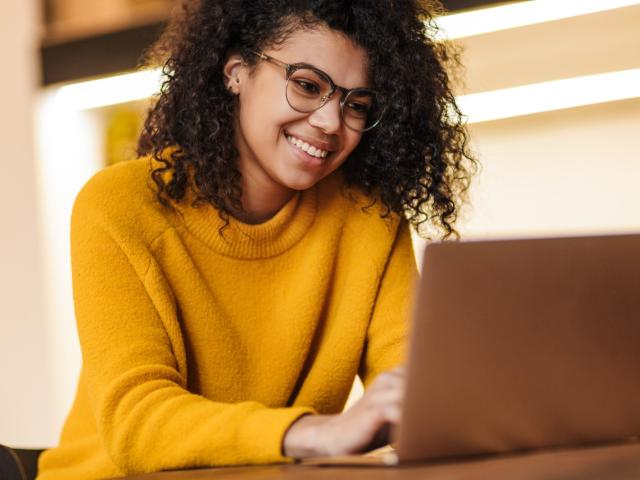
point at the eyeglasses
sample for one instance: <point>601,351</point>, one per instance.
<point>309,88</point>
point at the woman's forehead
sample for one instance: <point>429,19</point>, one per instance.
<point>329,50</point>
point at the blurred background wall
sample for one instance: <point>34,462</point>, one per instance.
<point>562,172</point>
<point>25,416</point>
<point>573,170</point>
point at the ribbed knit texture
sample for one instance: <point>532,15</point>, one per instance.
<point>202,344</point>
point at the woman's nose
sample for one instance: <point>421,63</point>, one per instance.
<point>328,117</point>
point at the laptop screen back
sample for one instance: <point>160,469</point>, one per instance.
<point>522,344</point>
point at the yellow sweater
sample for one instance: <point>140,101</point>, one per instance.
<point>201,349</point>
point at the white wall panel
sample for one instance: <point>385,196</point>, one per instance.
<point>25,387</point>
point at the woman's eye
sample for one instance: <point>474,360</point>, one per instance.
<point>361,109</point>
<point>308,87</point>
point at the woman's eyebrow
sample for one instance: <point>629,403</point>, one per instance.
<point>313,67</point>
<point>309,65</point>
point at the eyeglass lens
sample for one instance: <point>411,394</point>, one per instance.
<point>307,90</point>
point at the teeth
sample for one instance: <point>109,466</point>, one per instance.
<point>304,146</point>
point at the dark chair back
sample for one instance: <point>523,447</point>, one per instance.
<point>18,464</point>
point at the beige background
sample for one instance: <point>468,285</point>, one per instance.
<point>25,388</point>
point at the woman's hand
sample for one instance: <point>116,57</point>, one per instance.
<point>366,425</point>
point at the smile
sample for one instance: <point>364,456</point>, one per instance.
<point>305,147</point>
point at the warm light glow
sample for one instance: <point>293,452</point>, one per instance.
<point>109,91</point>
<point>479,107</point>
<point>520,14</point>
<point>548,96</point>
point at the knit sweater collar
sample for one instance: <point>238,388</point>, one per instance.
<point>241,240</point>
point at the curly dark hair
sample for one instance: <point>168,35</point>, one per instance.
<point>416,162</point>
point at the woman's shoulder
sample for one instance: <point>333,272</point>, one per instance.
<point>120,197</point>
<point>360,212</point>
<point>123,176</point>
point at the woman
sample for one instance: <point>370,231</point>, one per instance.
<point>224,312</point>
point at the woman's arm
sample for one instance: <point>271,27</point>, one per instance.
<point>366,425</point>
<point>387,332</point>
<point>135,365</point>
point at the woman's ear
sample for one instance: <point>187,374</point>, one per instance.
<point>231,71</point>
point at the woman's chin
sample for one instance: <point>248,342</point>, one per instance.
<point>302,182</point>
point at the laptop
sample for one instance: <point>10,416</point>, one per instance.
<point>520,345</point>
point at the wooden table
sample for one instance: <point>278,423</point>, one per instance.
<point>620,462</point>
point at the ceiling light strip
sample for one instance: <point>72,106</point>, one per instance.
<point>520,14</point>
<point>549,96</point>
<point>478,107</point>
<point>110,91</point>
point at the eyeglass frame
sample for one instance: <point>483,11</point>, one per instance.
<point>291,68</point>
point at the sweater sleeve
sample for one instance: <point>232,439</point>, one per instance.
<point>136,371</point>
<point>387,332</point>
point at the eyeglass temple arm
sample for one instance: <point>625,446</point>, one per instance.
<point>272,60</point>
<point>260,54</point>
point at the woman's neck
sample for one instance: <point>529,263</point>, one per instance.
<point>261,198</point>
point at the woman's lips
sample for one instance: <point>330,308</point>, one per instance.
<point>318,144</point>
<point>309,149</point>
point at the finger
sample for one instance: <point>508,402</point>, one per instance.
<point>393,414</point>
<point>389,413</point>
<point>385,389</point>
<point>389,379</point>
<point>390,396</point>
<point>399,372</point>
<point>378,414</point>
